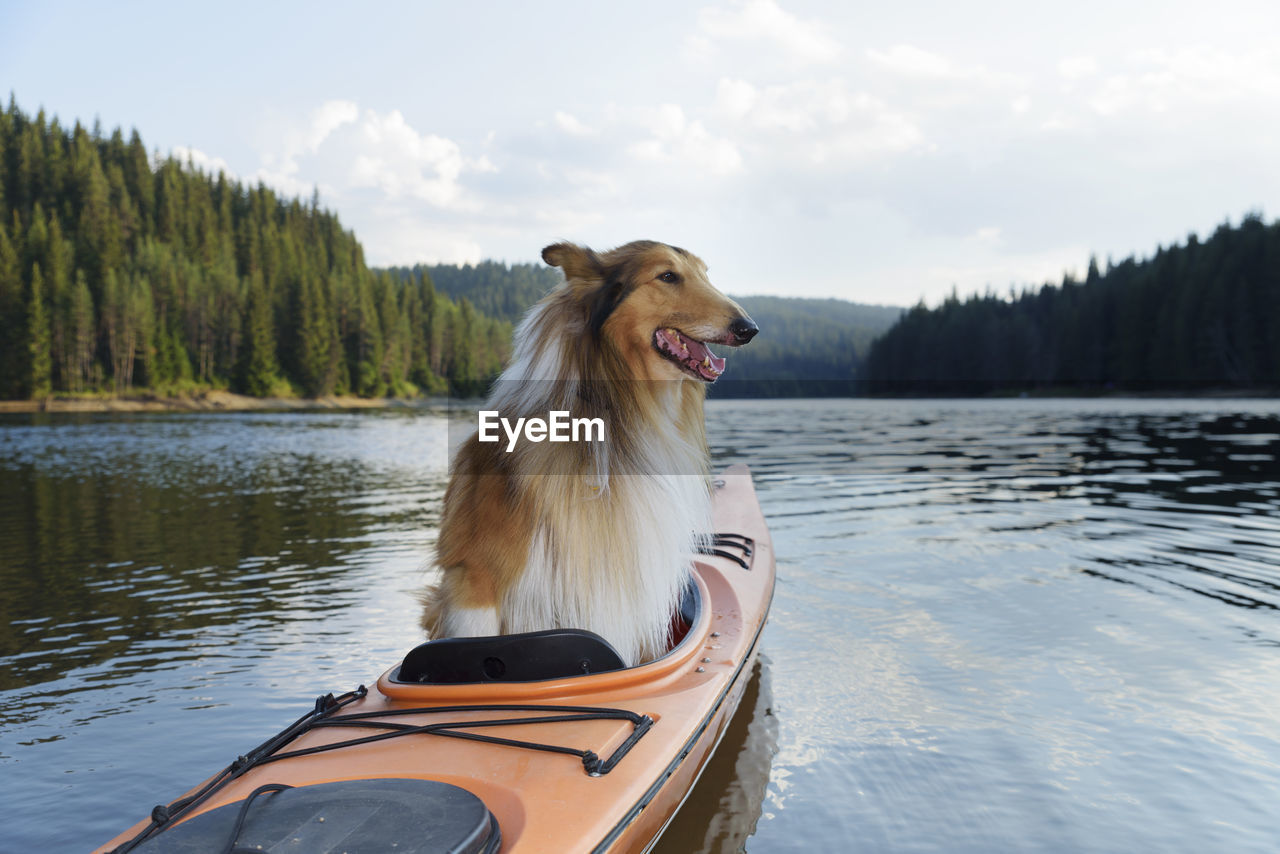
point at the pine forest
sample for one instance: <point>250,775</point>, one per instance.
<point>123,271</point>
<point>1196,317</point>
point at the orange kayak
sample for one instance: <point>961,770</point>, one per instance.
<point>528,743</point>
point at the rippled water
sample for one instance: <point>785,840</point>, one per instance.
<point>999,625</point>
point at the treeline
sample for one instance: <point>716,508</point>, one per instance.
<point>497,289</point>
<point>119,272</point>
<point>1192,317</point>
<point>807,347</point>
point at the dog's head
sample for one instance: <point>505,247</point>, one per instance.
<point>655,305</point>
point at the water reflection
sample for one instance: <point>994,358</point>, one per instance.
<point>99,561</point>
<point>1149,491</point>
<point>721,812</point>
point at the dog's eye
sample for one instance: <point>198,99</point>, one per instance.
<point>670,278</point>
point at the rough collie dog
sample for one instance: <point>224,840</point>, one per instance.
<point>592,535</point>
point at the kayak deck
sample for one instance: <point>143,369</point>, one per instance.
<point>595,762</point>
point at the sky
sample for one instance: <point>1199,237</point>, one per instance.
<point>882,153</point>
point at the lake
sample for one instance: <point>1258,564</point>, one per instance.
<point>1013,625</point>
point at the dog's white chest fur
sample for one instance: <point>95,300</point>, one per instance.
<point>614,564</point>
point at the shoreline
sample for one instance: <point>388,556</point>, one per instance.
<point>212,401</point>
<point>225,401</point>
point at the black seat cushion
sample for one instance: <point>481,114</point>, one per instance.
<point>527,657</point>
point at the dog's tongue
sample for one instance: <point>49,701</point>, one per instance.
<point>708,364</point>
<point>693,353</point>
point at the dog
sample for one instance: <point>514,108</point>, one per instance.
<point>592,535</point>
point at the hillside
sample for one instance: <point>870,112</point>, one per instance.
<point>119,273</point>
<point>499,290</point>
<point>807,347</point>
<point>1193,317</point>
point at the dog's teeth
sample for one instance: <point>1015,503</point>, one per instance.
<point>706,361</point>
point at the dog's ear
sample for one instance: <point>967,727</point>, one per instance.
<point>578,262</point>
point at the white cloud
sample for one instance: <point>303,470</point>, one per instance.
<point>331,116</point>
<point>913,62</point>
<point>735,98</point>
<point>280,168</point>
<point>1076,67</point>
<point>400,238</point>
<point>342,150</point>
<point>399,160</point>
<point>1212,74</point>
<point>676,139</point>
<point>873,131</point>
<point>943,81</point>
<point>405,190</point>
<point>1158,80</point>
<point>988,265</point>
<point>821,120</point>
<point>1059,121</point>
<point>773,108</point>
<point>571,125</point>
<point>765,21</point>
<point>206,162</point>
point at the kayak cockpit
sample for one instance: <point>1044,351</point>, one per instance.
<point>530,656</point>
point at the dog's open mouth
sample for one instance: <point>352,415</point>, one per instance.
<point>693,357</point>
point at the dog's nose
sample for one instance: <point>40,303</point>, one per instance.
<point>743,329</point>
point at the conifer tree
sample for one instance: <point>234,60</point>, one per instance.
<point>139,183</point>
<point>12,308</point>
<point>367,373</point>
<point>118,331</point>
<point>464,333</point>
<point>57,269</point>
<point>30,177</point>
<point>142,329</point>
<point>80,325</point>
<point>35,241</point>
<point>258,371</point>
<point>39,359</point>
<point>317,339</point>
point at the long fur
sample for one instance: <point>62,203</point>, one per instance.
<point>591,535</point>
